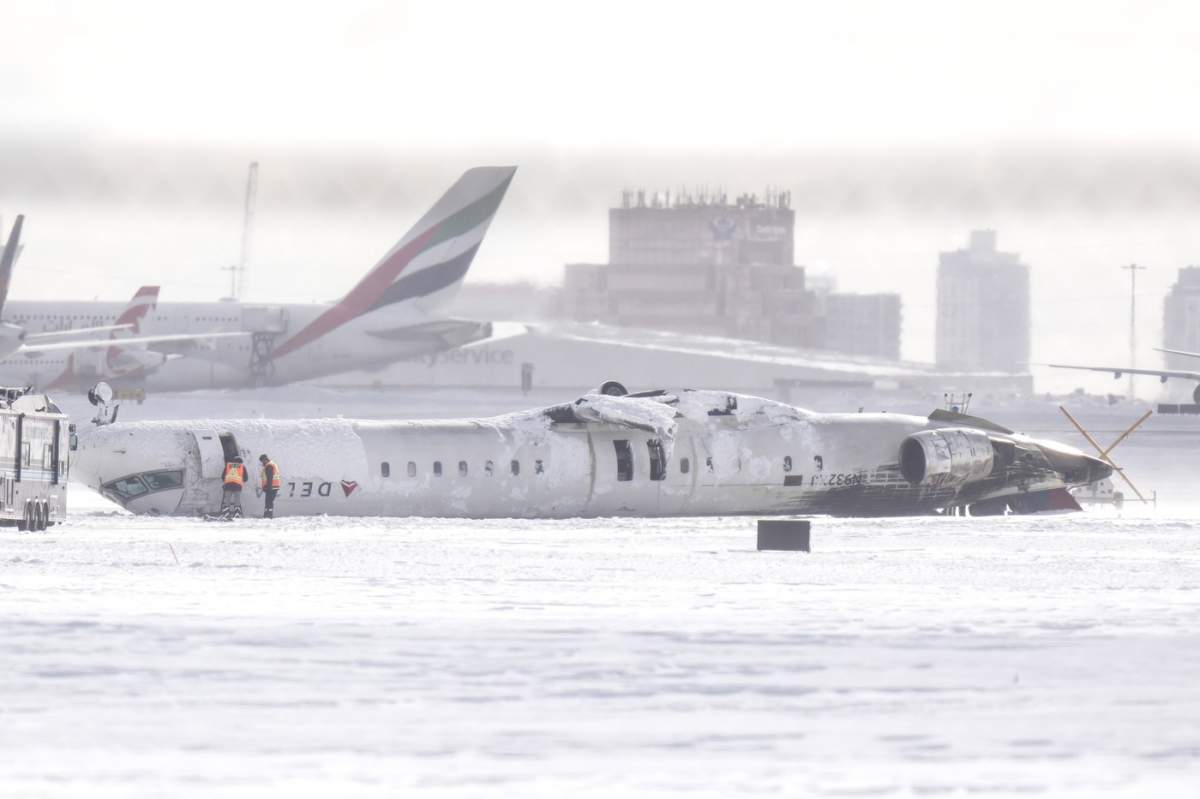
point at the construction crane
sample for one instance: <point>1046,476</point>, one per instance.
<point>237,272</point>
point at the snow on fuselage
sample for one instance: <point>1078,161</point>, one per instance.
<point>678,454</point>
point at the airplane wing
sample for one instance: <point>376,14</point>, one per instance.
<point>1118,371</point>
<point>35,338</point>
<point>134,341</point>
<point>1179,352</point>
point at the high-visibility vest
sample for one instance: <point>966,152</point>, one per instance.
<point>235,474</point>
<point>276,480</point>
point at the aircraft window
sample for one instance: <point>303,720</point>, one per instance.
<point>126,488</point>
<point>462,468</point>
<point>412,468</point>
<point>538,468</point>
<point>385,469</point>
<point>162,481</point>
<point>658,461</point>
<point>516,467</point>
<point>684,466</point>
<point>437,468</point>
<point>624,460</point>
<point>489,468</point>
<point>787,463</point>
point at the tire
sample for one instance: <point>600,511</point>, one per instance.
<point>46,516</point>
<point>39,522</point>
<point>23,525</point>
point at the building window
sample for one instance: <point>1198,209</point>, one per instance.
<point>708,464</point>
<point>462,468</point>
<point>516,467</point>
<point>385,469</point>
<point>538,468</point>
<point>437,468</point>
<point>787,463</point>
<point>412,468</point>
<point>684,466</point>
<point>488,468</point>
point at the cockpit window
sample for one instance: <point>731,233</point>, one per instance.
<point>126,488</point>
<point>135,485</point>
<point>162,481</point>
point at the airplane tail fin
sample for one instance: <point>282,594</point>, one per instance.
<point>427,266</point>
<point>144,301</point>
<point>9,257</point>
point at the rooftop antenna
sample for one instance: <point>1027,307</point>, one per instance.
<point>237,272</point>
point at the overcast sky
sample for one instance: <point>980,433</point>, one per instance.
<point>1071,127</point>
<point>692,74</point>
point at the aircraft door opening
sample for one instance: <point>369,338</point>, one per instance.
<point>229,447</point>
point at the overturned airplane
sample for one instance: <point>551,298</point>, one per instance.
<point>657,453</point>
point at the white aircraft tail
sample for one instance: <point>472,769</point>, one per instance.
<point>9,257</point>
<point>427,266</point>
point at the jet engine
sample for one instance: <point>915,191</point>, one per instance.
<point>946,458</point>
<point>126,360</point>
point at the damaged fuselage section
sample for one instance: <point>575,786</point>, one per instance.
<point>660,453</point>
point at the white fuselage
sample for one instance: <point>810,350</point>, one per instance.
<point>763,457</point>
<point>368,342</point>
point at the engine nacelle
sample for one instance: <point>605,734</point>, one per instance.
<point>124,360</point>
<point>946,458</point>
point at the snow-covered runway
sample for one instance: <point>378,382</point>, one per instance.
<point>392,657</point>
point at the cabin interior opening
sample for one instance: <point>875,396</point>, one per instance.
<point>229,446</point>
<point>624,460</point>
<point>658,460</point>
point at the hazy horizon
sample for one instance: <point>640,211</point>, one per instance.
<point>896,130</point>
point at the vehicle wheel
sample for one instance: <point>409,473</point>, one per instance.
<point>39,521</point>
<point>23,525</point>
<point>46,516</point>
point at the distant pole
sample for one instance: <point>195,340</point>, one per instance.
<point>247,229</point>
<point>1133,270</point>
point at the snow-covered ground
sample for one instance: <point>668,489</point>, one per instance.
<point>341,657</point>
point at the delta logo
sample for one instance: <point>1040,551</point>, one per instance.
<point>349,487</point>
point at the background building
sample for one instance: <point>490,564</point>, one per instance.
<point>699,264</point>
<point>1181,328</point>
<point>982,308</point>
<point>863,324</point>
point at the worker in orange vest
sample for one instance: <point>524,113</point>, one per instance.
<point>271,482</point>
<point>233,481</point>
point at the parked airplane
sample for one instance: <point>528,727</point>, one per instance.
<point>1163,375</point>
<point>15,338</point>
<point>659,453</point>
<point>391,314</point>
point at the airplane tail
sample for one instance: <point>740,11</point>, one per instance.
<point>9,257</point>
<point>143,303</point>
<point>427,266</point>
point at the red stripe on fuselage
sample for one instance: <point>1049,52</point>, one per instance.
<point>361,297</point>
